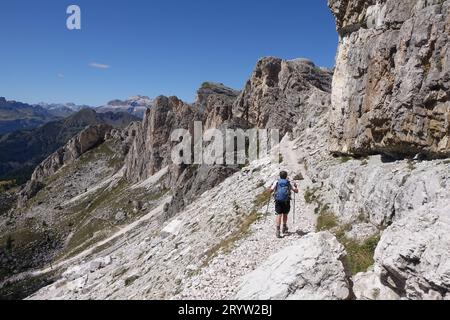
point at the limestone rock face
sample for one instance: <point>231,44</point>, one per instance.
<point>215,101</point>
<point>152,145</point>
<point>392,79</point>
<point>151,149</point>
<point>413,253</point>
<point>404,202</point>
<point>279,92</point>
<point>188,183</point>
<point>214,104</point>
<point>367,286</point>
<point>86,140</point>
<point>30,190</point>
<point>383,193</point>
<point>77,146</point>
<point>311,269</point>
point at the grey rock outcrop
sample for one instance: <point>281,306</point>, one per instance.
<point>413,253</point>
<point>215,105</point>
<point>280,92</point>
<point>87,139</point>
<point>392,79</point>
<point>404,202</point>
<point>368,286</point>
<point>215,101</point>
<point>381,193</point>
<point>311,269</point>
<point>191,182</point>
<point>29,191</point>
<point>7,201</point>
<point>210,232</point>
<point>76,147</point>
<point>152,146</point>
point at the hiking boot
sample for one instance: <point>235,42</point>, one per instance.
<point>278,233</point>
<point>285,229</point>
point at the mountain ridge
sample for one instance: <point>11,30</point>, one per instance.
<point>120,220</point>
<point>16,115</point>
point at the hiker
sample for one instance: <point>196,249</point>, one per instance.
<point>282,190</point>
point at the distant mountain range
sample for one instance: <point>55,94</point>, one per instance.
<point>136,106</point>
<point>21,151</point>
<point>62,110</point>
<point>17,115</point>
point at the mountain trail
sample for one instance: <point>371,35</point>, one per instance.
<point>221,278</point>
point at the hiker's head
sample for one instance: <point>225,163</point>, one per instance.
<point>283,175</point>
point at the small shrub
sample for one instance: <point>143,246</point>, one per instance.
<point>326,221</point>
<point>206,85</point>
<point>310,195</point>
<point>7,185</point>
<point>360,256</point>
<point>345,159</point>
<point>324,209</point>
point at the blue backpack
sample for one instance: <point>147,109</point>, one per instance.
<point>283,191</point>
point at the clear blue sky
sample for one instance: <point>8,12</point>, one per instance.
<point>152,47</point>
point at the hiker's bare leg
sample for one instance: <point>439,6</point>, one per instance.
<point>278,220</point>
<point>285,221</point>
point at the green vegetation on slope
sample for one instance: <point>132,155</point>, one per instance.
<point>360,255</point>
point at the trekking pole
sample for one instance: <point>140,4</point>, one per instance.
<point>267,210</point>
<point>293,216</point>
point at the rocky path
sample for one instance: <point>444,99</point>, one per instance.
<point>221,279</point>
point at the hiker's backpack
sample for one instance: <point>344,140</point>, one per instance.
<point>283,191</point>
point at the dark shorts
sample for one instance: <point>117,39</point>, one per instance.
<point>282,207</point>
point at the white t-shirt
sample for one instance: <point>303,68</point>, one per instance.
<point>274,186</point>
